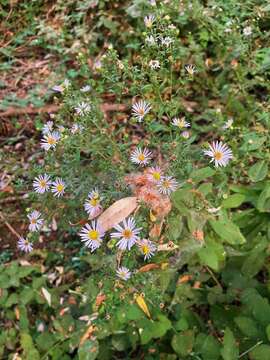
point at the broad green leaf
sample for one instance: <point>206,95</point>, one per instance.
<point>212,255</point>
<point>228,231</point>
<point>258,171</point>
<point>247,325</point>
<point>207,346</point>
<point>201,174</point>
<point>230,350</point>
<point>88,350</point>
<point>183,342</point>
<point>261,352</point>
<point>233,201</point>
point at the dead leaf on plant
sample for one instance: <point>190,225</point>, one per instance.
<point>117,212</point>
<point>148,267</point>
<point>167,247</point>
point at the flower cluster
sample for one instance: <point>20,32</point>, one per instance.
<point>42,183</point>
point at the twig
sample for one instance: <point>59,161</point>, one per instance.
<point>213,276</point>
<point>53,108</point>
<point>250,349</point>
<point>14,232</point>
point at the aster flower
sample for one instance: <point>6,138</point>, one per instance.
<point>58,187</point>
<point>166,41</point>
<point>149,20</point>
<point>154,64</point>
<point>48,127</point>
<point>127,233</point>
<point>190,69</point>
<point>154,174</point>
<point>42,183</point>
<point>50,140</point>
<point>228,124</point>
<point>153,2</point>
<point>247,31</point>
<point>92,205</point>
<point>141,156</point>
<point>24,245</point>
<point>76,128</point>
<point>219,153</point>
<point>167,185</point>
<point>181,123</point>
<point>35,220</point>
<point>61,88</point>
<point>123,273</point>
<point>147,247</point>
<point>150,40</point>
<point>185,134</point>
<point>85,88</point>
<point>140,109</point>
<point>92,235</point>
<point>82,108</point>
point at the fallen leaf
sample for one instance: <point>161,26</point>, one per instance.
<point>117,212</point>
<point>47,295</point>
<point>142,305</point>
<point>148,267</point>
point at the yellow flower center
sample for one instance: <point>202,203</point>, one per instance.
<point>60,187</point>
<point>93,234</point>
<point>145,249</point>
<point>141,157</point>
<point>181,124</point>
<point>51,140</point>
<point>156,175</point>
<point>94,202</point>
<point>127,233</point>
<point>218,155</point>
<point>33,221</point>
<point>166,184</point>
<point>141,112</point>
<point>42,183</point>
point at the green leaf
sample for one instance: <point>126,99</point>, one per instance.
<point>212,254</point>
<point>201,174</point>
<point>89,350</point>
<point>247,326</point>
<point>230,350</point>
<point>183,343</point>
<point>207,346</point>
<point>29,351</point>
<point>263,203</point>
<point>261,352</point>
<point>228,231</point>
<point>233,201</point>
<point>258,171</point>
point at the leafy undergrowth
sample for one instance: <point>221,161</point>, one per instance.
<point>148,196</point>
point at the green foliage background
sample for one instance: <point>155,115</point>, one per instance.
<point>221,310</point>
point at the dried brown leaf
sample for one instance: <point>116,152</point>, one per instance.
<point>117,212</point>
<point>148,267</point>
